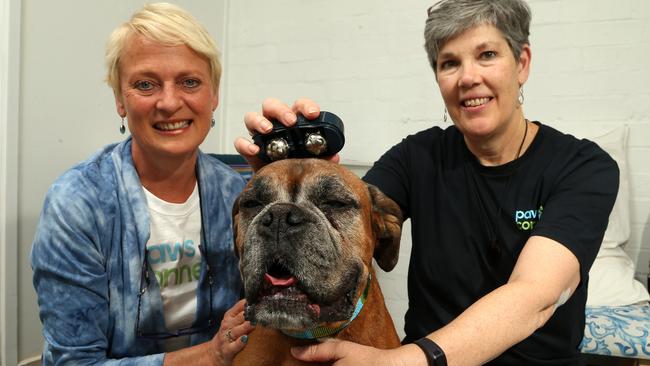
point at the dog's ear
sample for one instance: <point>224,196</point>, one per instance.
<point>235,224</point>
<point>387,226</point>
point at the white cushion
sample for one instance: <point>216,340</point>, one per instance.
<point>611,278</point>
<point>612,282</point>
<point>618,230</point>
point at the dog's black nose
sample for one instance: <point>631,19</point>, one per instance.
<point>282,214</point>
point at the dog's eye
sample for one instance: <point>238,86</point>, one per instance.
<point>250,203</point>
<point>334,204</point>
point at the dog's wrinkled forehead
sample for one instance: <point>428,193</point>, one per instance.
<point>303,179</point>
<point>311,188</point>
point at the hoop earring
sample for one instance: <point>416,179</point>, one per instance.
<point>122,127</point>
<point>444,117</point>
<point>213,123</point>
<point>521,95</point>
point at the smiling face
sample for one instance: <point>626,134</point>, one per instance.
<point>167,98</point>
<point>479,80</point>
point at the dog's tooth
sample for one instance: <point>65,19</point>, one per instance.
<point>315,308</point>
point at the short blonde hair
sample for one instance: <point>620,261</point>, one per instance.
<point>169,25</point>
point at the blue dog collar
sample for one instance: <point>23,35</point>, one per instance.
<point>321,331</point>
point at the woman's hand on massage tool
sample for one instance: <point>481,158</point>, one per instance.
<point>260,123</point>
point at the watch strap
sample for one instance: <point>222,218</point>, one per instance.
<point>433,352</point>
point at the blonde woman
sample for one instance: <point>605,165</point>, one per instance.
<point>133,260</point>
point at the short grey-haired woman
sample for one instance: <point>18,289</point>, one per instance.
<point>133,258</point>
<point>507,214</point>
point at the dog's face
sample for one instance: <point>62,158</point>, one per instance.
<point>306,231</point>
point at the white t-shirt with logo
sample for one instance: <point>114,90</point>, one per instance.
<point>174,256</point>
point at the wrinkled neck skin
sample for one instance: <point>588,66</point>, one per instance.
<point>502,146</point>
<point>170,178</point>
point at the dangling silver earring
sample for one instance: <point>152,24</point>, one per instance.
<point>213,123</point>
<point>521,95</point>
<point>122,127</point>
<point>444,118</point>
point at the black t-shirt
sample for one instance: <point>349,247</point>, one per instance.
<point>561,188</point>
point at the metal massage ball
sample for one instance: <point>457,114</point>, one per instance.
<point>315,143</point>
<point>277,149</point>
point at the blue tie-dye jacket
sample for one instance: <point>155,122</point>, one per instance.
<point>88,253</point>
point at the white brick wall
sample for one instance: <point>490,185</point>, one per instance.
<point>364,60</point>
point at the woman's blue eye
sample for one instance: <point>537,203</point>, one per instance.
<point>191,83</point>
<point>144,85</point>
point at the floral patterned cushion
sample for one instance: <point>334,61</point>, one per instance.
<point>621,331</point>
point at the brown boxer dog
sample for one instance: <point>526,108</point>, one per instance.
<point>306,231</point>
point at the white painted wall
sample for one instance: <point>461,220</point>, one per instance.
<point>9,87</point>
<point>365,61</point>
<point>362,59</point>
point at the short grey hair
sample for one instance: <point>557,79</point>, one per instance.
<point>449,18</point>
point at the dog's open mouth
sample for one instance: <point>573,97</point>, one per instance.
<point>281,303</point>
<point>281,288</point>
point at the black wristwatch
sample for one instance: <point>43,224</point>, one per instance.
<point>433,352</point>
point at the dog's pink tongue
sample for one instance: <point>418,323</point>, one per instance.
<point>280,282</point>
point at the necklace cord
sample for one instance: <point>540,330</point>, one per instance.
<point>523,140</point>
